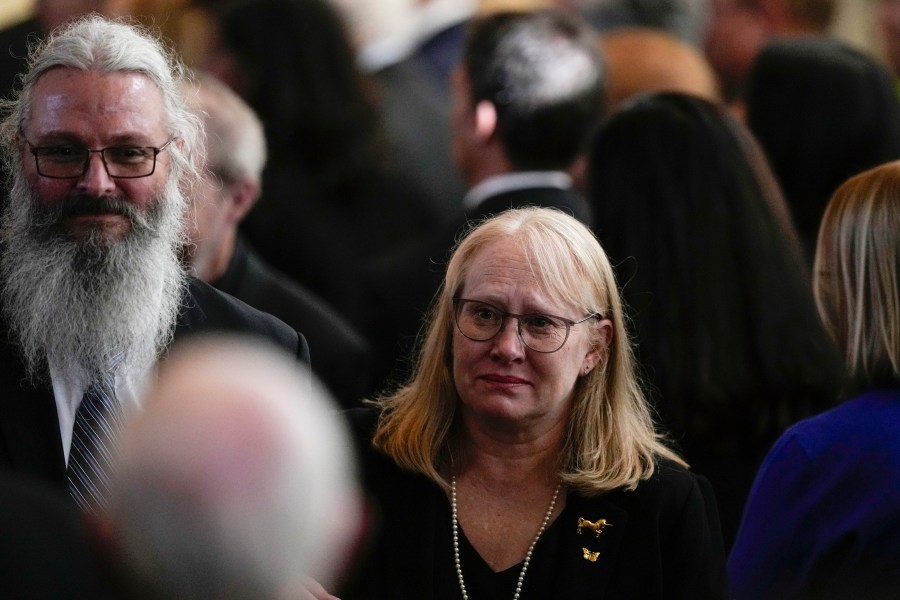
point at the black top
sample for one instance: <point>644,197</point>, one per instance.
<point>482,582</point>
<point>664,542</point>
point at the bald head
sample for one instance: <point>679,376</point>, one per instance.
<point>236,480</point>
<point>644,59</point>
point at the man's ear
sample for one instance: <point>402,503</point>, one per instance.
<point>242,196</point>
<point>485,120</point>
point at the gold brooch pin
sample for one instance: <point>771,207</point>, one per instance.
<point>596,526</point>
<point>591,556</point>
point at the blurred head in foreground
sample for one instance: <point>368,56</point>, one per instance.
<point>237,480</point>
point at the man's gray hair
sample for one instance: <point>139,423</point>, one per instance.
<point>94,43</point>
<point>236,141</point>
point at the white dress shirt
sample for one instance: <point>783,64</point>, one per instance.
<point>508,182</point>
<point>129,389</point>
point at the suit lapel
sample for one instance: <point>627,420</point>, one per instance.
<point>29,425</point>
<point>190,315</point>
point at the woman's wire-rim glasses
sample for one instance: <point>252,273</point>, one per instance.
<point>481,321</point>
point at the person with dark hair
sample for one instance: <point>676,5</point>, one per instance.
<point>823,519</point>
<point>329,187</point>
<point>526,98</point>
<point>521,458</point>
<point>726,329</point>
<point>823,111</point>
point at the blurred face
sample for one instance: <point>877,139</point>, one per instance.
<point>502,381</point>
<point>93,110</point>
<point>889,22</point>
<point>734,37</point>
<point>206,222</point>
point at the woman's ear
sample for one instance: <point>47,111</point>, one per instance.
<point>600,350</point>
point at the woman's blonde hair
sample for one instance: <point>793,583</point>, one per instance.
<point>856,280</point>
<point>611,440</point>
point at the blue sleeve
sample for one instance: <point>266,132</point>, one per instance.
<point>771,553</point>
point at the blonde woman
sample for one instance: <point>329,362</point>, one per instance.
<point>521,460</point>
<point>823,518</point>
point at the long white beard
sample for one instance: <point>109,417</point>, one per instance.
<point>87,306</point>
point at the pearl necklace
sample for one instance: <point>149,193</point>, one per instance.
<point>459,575</point>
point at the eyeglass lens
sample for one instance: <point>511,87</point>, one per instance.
<point>479,321</point>
<point>72,161</point>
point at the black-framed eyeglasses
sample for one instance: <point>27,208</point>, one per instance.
<point>480,322</point>
<point>69,161</point>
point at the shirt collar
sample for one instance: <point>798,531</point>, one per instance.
<point>518,180</point>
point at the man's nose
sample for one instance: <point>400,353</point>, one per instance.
<point>96,179</point>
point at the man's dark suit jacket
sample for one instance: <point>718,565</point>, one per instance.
<point>46,547</point>
<point>415,100</point>
<point>342,358</point>
<point>664,540</point>
<point>30,442</point>
<point>401,284</point>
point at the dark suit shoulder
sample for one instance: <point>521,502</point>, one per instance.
<point>566,200</point>
<point>208,310</point>
<point>343,357</point>
<point>47,550</point>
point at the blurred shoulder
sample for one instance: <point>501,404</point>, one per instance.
<point>208,310</point>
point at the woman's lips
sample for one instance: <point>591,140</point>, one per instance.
<point>504,379</point>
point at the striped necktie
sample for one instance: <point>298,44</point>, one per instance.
<point>94,443</point>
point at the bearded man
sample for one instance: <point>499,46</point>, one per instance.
<point>101,150</point>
